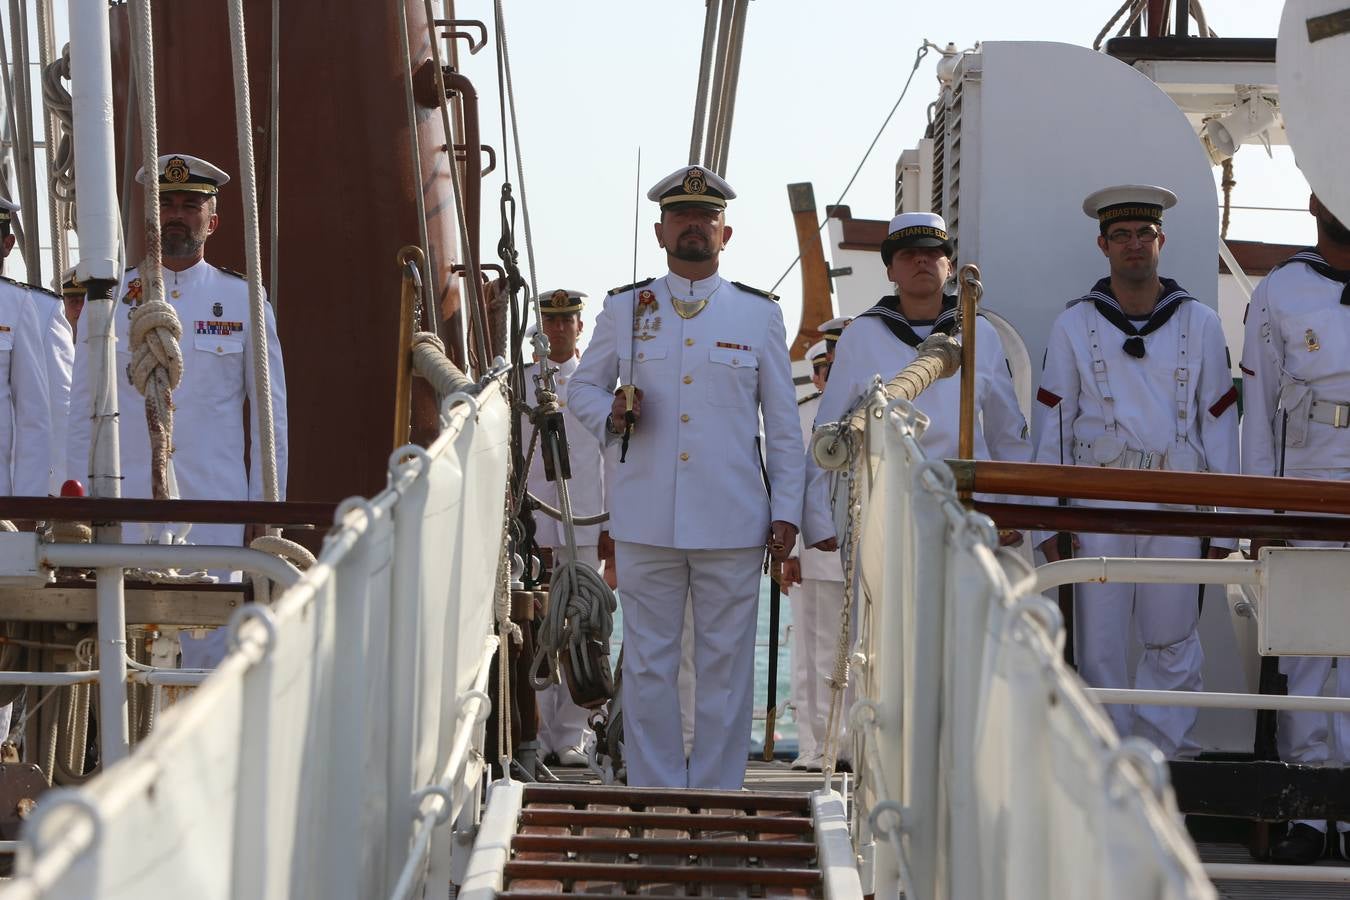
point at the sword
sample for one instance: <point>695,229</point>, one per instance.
<point>630,389</point>
<point>775,572</point>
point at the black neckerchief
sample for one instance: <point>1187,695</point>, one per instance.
<point>887,309</point>
<point>1314,260</point>
<point>1173,295</point>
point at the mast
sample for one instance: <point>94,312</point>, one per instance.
<point>816,304</point>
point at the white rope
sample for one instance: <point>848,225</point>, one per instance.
<point>61,175</point>
<point>156,359</point>
<point>50,126</point>
<point>286,549</point>
<point>430,361</point>
<point>248,178</point>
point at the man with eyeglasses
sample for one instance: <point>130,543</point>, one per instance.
<point>1136,377</point>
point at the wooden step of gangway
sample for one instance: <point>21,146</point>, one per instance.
<point>613,841</point>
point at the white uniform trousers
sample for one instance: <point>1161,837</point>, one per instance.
<point>816,606</point>
<point>688,679</point>
<point>1165,618</point>
<point>563,724</point>
<point>723,588</point>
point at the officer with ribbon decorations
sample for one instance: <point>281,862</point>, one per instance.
<point>884,339</point>
<point>1296,388</point>
<point>209,441</point>
<point>1137,377</point>
<point>690,511</point>
<point>562,724</point>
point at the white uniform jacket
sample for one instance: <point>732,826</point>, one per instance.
<point>692,479</point>
<point>59,340</point>
<point>1296,361</point>
<point>208,431</point>
<point>25,412</point>
<point>1173,408</point>
<point>866,349</point>
<point>586,487</point>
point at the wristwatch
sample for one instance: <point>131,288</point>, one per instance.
<point>609,426</point>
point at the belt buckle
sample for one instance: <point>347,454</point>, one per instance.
<point>1341,417</point>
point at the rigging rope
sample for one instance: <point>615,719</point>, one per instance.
<point>157,360</point>
<point>55,208</point>
<point>918,58</point>
<point>248,177</point>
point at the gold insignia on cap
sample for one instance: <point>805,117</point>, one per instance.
<point>695,182</point>
<point>176,171</point>
<point>559,298</point>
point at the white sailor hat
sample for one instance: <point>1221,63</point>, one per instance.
<point>180,172</point>
<point>819,353</point>
<point>916,229</point>
<point>561,302</point>
<point>694,185</point>
<point>1129,202</point>
<point>70,285</point>
<point>832,329</point>
<point>7,210</point>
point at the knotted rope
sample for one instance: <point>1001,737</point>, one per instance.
<point>156,369</point>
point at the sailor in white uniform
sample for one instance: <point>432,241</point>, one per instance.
<point>689,509</point>
<point>58,342</point>
<point>883,340</point>
<point>1296,391</point>
<point>72,297</point>
<point>1136,377</point>
<point>817,599</point>
<point>562,724</point>
<point>25,411</point>
<point>209,438</point>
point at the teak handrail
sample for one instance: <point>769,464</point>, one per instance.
<point>1147,486</point>
<point>131,509</point>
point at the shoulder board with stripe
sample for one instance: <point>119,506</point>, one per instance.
<point>808,398</point>
<point>753,290</point>
<point>39,288</point>
<point>629,287</point>
<point>239,275</point>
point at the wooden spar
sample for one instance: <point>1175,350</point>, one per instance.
<point>1143,486</point>
<point>970,298</point>
<point>816,304</point>
<point>1129,520</point>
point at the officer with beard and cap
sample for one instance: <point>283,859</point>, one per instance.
<point>884,339</point>
<point>209,440</point>
<point>690,512</point>
<point>1136,377</point>
<point>1296,389</point>
<point>562,724</point>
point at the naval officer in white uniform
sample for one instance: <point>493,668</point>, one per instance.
<point>213,305</point>
<point>58,340</point>
<point>1296,367</point>
<point>1136,377</point>
<point>884,339</point>
<point>25,412</point>
<point>562,724</point>
<point>689,510</point>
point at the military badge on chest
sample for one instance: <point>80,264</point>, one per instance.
<point>1310,341</point>
<point>646,316</point>
<point>134,291</point>
<point>217,310</point>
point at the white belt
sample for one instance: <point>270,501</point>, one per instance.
<point>1329,412</point>
<point>1128,459</point>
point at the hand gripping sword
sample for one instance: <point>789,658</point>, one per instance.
<point>629,389</point>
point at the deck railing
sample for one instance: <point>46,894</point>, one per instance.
<point>330,752</point>
<point>985,771</point>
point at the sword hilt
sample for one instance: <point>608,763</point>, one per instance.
<point>629,418</point>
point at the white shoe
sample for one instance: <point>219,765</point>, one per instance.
<point>807,761</point>
<point>571,757</point>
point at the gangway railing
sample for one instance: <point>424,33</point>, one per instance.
<point>985,768</point>
<point>338,747</point>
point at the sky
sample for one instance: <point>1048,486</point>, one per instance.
<point>596,81</point>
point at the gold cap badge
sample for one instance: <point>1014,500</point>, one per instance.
<point>176,171</point>
<point>694,182</point>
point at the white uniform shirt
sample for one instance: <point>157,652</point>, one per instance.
<point>25,412</point>
<point>208,432</point>
<point>1297,337</point>
<point>692,479</point>
<point>817,565</point>
<point>1193,422</point>
<point>586,487</point>
<point>866,349</point>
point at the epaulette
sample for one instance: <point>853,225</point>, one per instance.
<point>629,287</point>
<point>240,275</point>
<point>808,398</point>
<point>765,294</point>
